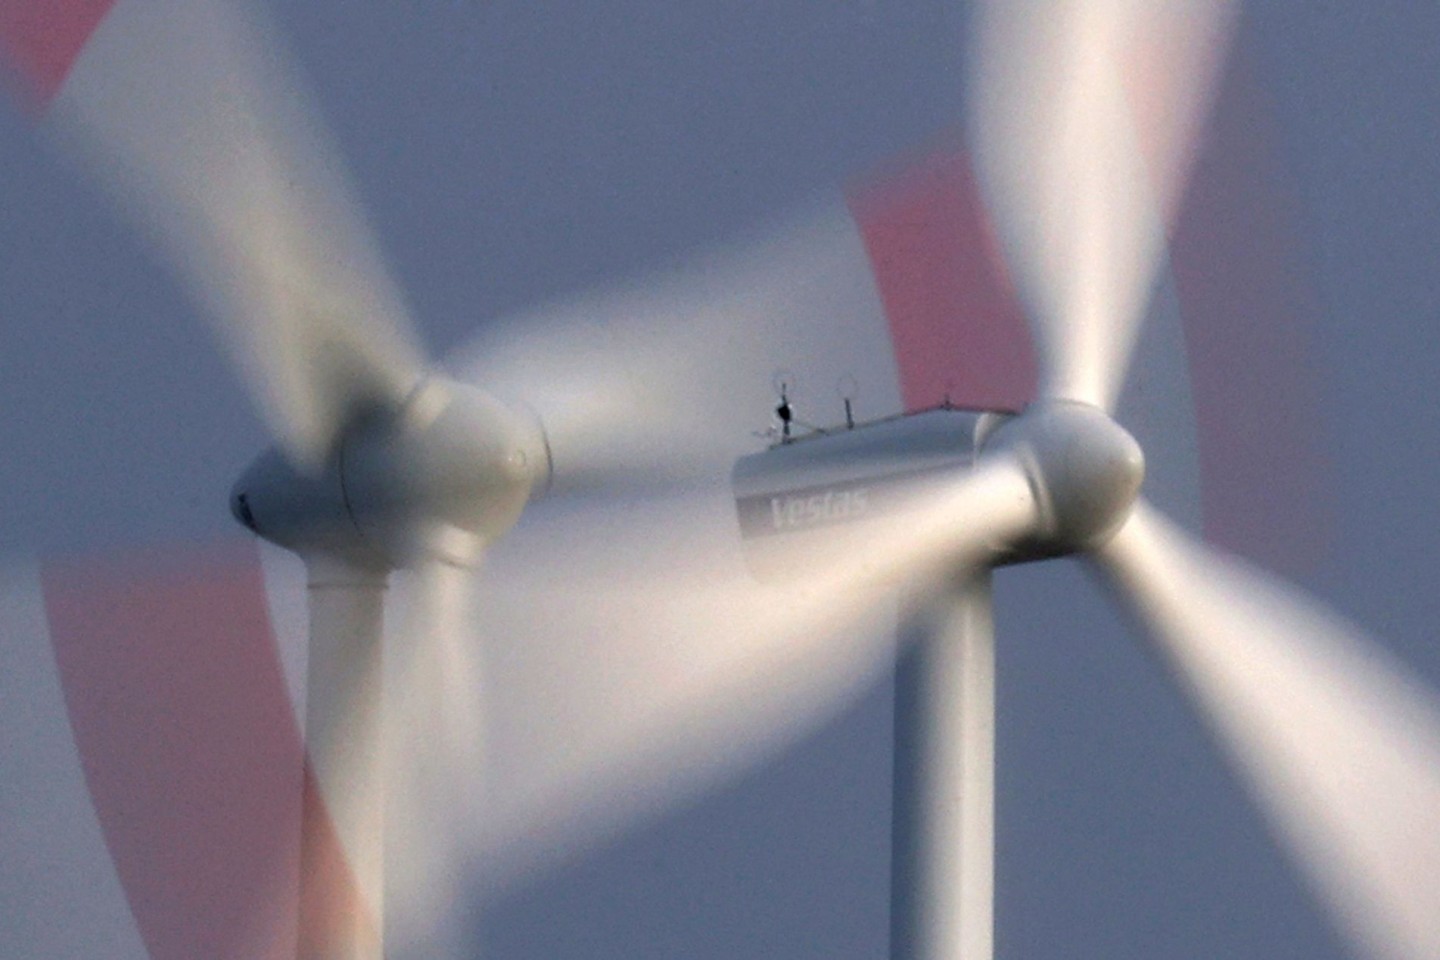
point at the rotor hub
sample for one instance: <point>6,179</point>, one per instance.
<point>438,478</point>
<point>1084,469</point>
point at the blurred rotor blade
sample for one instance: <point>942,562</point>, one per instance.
<point>1084,116</point>
<point>1338,743</point>
<point>642,661</point>
<point>669,377</point>
<point>189,115</point>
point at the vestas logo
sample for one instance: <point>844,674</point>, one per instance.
<point>778,512</point>
<point>797,512</point>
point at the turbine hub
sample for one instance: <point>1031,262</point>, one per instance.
<point>1084,469</point>
<point>447,472</point>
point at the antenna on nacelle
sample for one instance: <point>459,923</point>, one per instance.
<point>848,387</point>
<point>784,381</point>
<point>785,412</point>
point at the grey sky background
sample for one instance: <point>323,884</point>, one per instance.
<point>511,152</point>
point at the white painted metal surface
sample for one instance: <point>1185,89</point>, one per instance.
<point>943,866</point>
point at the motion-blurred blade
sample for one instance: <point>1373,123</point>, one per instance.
<point>1084,116</point>
<point>668,377</point>
<point>1340,746</point>
<point>190,117</point>
<point>641,661</point>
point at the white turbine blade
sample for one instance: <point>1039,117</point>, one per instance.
<point>190,117</point>
<point>1084,116</point>
<point>668,377</point>
<point>1338,743</point>
<point>642,661</point>
<point>632,665</point>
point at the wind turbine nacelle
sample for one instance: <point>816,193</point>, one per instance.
<point>827,490</point>
<point>437,479</point>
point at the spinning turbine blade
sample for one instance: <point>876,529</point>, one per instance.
<point>1339,745</point>
<point>1083,171</point>
<point>192,120</point>
<point>667,665</point>
<point>665,378</point>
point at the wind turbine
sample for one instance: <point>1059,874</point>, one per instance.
<point>1340,748</point>
<point>207,141</point>
<point>300,295</point>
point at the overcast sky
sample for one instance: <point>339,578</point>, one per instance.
<point>514,152</point>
